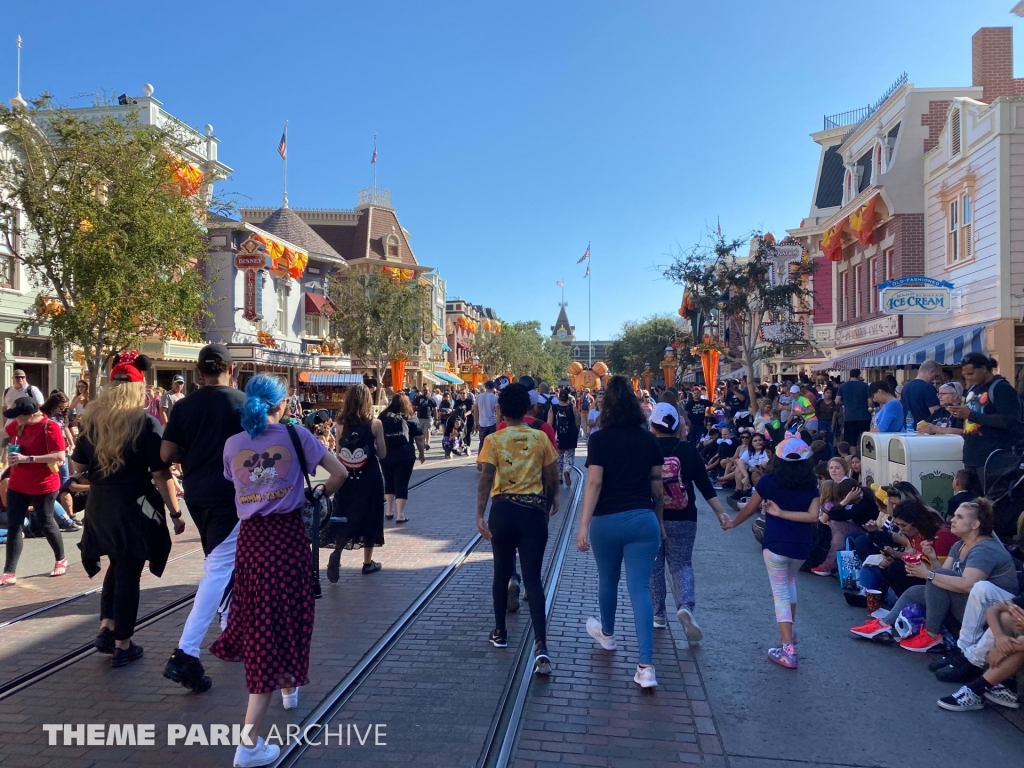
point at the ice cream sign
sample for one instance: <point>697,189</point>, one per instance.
<point>915,295</point>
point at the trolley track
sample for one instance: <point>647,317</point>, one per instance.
<point>11,687</point>
<point>503,730</point>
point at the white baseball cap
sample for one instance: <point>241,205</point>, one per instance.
<point>665,415</point>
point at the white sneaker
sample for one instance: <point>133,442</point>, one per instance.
<point>644,677</point>
<point>660,622</point>
<point>261,754</point>
<point>290,700</point>
<point>693,633</point>
<point>594,630</point>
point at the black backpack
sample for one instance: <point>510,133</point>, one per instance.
<point>565,427</point>
<point>396,430</point>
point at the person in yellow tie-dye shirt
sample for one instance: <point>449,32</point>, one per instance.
<point>520,478</point>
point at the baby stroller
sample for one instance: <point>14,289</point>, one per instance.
<point>1002,483</point>
<point>453,443</point>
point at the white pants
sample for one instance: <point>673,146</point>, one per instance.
<point>217,569</point>
<point>975,638</point>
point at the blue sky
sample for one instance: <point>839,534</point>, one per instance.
<point>512,134</point>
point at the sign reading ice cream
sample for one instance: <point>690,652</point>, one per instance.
<point>915,296</point>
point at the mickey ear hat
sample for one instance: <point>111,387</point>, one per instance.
<point>130,366</point>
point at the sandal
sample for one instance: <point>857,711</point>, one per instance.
<point>388,517</point>
<point>8,579</point>
<point>371,567</point>
<point>60,568</point>
<point>403,520</point>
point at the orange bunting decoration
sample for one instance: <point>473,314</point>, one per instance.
<point>832,242</point>
<point>862,222</point>
<point>189,177</point>
<point>687,306</point>
<point>399,275</point>
<point>266,339</point>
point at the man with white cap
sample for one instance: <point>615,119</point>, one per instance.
<point>20,388</point>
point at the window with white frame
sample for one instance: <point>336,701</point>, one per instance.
<point>879,154</point>
<point>872,290</point>
<point>966,228</point>
<point>313,326</point>
<point>953,232</point>
<point>282,309</point>
<point>844,294</point>
<point>890,264</point>
<point>858,291</point>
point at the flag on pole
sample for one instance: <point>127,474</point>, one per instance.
<point>719,227</point>
<point>585,256</point>
<point>560,284</point>
<point>588,266</point>
<point>373,160</point>
<point>282,147</point>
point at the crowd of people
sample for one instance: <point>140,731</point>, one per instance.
<point>784,454</point>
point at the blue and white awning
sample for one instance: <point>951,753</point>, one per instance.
<point>335,379</point>
<point>448,377</point>
<point>944,347</point>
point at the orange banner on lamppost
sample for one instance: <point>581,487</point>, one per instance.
<point>709,364</point>
<point>397,374</point>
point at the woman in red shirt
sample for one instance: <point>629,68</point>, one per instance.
<point>36,445</point>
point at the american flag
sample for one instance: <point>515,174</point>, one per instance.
<point>585,256</point>
<point>560,284</point>
<point>373,159</point>
<point>588,266</point>
<point>282,148</point>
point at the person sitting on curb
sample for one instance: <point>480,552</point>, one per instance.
<point>976,557</point>
<point>1006,623</point>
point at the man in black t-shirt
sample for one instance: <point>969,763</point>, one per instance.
<point>696,409</point>
<point>194,437</point>
<point>425,410</point>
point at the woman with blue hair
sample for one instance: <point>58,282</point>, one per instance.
<point>270,625</point>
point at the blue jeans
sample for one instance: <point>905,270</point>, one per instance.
<point>677,549</point>
<point>633,536</point>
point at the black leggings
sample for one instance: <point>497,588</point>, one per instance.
<point>396,477</point>
<point>119,599</point>
<point>17,510</point>
<point>514,526</point>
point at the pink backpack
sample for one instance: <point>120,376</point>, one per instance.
<point>676,496</point>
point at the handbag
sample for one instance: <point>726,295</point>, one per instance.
<point>849,566</point>
<point>316,510</point>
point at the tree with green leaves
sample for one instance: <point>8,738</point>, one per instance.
<point>522,349</point>
<point>380,317</point>
<point>642,343</point>
<point>92,208</point>
<point>757,299</point>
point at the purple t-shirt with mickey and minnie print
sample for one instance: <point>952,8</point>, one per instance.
<point>266,472</point>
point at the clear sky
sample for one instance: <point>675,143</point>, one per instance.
<point>513,133</point>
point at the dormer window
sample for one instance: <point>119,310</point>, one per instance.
<point>391,246</point>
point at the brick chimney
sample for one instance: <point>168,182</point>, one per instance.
<point>992,63</point>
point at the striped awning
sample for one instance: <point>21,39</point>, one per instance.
<point>318,378</point>
<point>854,359</point>
<point>944,347</point>
<point>443,376</point>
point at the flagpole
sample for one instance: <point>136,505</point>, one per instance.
<point>375,162</point>
<point>590,323</point>
<point>285,163</point>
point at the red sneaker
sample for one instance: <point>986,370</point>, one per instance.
<point>872,629</point>
<point>920,642</point>
<point>821,571</point>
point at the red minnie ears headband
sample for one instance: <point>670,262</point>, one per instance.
<point>130,366</point>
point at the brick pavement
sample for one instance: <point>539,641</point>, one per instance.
<point>350,618</point>
<point>438,690</point>
<point>592,713</point>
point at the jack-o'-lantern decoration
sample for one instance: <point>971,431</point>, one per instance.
<point>590,379</point>
<point>575,368</point>
<point>600,368</point>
